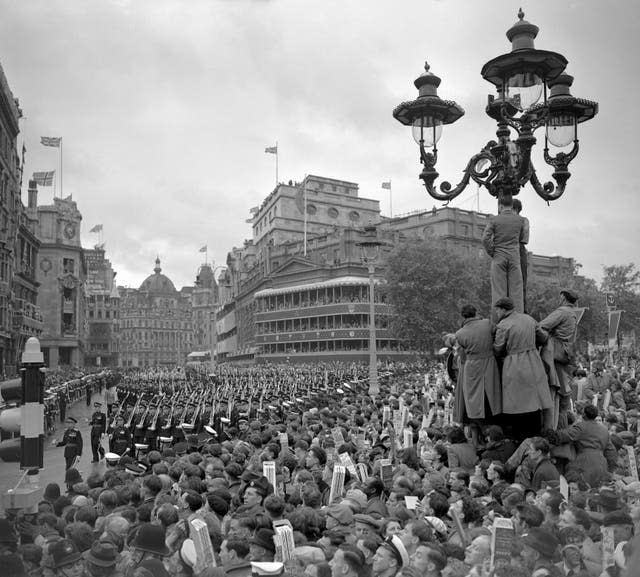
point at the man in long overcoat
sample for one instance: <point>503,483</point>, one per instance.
<point>558,354</point>
<point>480,376</point>
<point>524,381</point>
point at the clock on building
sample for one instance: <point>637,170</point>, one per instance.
<point>69,230</point>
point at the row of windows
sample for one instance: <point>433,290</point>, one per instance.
<point>333,212</point>
<point>356,345</point>
<point>320,323</point>
<point>99,314</point>
<point>154,324</point>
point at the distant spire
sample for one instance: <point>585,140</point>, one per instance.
<point>157,270</point>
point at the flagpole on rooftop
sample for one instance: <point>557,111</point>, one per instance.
<point>61,167</point>
<point>276,163</point>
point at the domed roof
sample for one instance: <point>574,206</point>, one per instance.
<point>157,283</point>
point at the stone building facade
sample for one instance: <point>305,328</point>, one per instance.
<point>62,273</point>
<point>103,303</point>
<point>156,327</point>
<point>20,316</point>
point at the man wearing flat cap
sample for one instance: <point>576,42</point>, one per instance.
<point>524,380</point>
<point>558,330</point>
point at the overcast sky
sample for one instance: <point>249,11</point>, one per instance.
<point>165,108</point>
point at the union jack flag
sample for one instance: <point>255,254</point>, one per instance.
<point>44,178</point>
<point>51,141</point>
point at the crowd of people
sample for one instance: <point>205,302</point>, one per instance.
<point>365,487</point>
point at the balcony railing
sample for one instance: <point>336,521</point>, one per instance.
<point>346,308</point>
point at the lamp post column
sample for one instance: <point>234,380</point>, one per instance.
<point>374,390</point>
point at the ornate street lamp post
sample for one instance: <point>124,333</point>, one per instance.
<point>521,77</point>
<point>370,250</point>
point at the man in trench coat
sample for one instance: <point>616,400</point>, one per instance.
<point>480,376</point>
<point>558,353</point>
<point>524,381</point>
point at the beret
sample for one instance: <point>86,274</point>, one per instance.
<point>341,513</point>
<point>366,520</point>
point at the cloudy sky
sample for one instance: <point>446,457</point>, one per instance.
<point>165,108</point>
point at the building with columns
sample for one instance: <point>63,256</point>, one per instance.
<point>156,326</point>
<point>62,273</point>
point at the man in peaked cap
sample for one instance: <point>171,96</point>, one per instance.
<point>72,443</point>
<point>98,424</point>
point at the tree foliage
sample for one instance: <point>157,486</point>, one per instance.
<point>623,281</point>
<point>427,282</point>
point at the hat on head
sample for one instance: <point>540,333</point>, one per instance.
<point>72,476</point>
<point>150,538</point>
<point>51,492</point>
<point>97,404</point>
<point>102,554</point>
<point>71,421</point>
<point>366,520</point>
<point>356,499</point>
<point>617,518</point>
<point>64,552</point>
<point>80,501</point>
<point>135,469</point>
<point>570,295</point>
<point>544,542</point>
<point>437,525</point>
<point>395,545</point>
<point>262,485</point>
<point>633,413</point>
<point>309,554</point>
<point>180,448</point>
<point>504,303</point>
<point>343,514</point>
<point>264,539</point>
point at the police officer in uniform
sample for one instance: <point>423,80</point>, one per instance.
<point>72,443</point>
<point>120,438</point>
<point>98,425</point>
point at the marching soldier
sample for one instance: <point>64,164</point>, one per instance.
<point>120,438</point>
<point>89,391</point>
<point>98,425</point>
<point>62,404</point>
<point>72,443</point>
